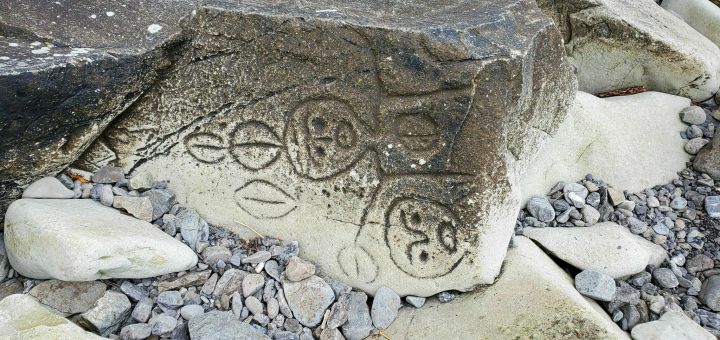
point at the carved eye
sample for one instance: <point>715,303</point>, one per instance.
<point>264,200</point>
<point>255,145</point>
<point>205,147</point>
<point>447,236</point>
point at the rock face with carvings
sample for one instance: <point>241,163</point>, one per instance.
<point>395,141</point>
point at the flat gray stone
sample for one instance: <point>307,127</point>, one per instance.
<point>252,283</point>
<point>171,299</point>
<point>298,269</point>
<point>605,247</point>
<point>254,305</point>
<point>192,227</point>
<point>140,207</point>
<point>712,206</point>
<point>595,285</point>
<point>426,103</point>
<point>308,299</point>
<point>540,208</point>
<point>693,115</point>
<point>415,301</point>
<point>68,298</point>
<point>710,293</point>
<point>162,324</point>
<point>384,307</point>
<point>136,331</point>
<point>161,201</point>
<point>222,325</point>
<point>109,175</point>
<point>707,160</point>
<point>665,278</point>
<point>142,310</point>
<point>107,314</point>
<point>359,323</point>
<point>21,317</point>
<point>47,187</point>
<point>671,326</point>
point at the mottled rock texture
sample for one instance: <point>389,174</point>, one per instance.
<point>394,134</point>
<point>399,138</point>
<point>67,70</point>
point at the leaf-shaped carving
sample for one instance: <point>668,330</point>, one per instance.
<point>255,145</point>
<point>205,147</point>
<point>357,264</point>
<point>264,200</point>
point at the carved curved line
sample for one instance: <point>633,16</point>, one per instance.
<point>190,148</point>
<point>263,126</point>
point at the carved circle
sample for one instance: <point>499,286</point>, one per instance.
<point>422,237</point>
<point>205,147</point>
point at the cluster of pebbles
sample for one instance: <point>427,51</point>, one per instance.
<point>682,216</point>
<point>250,289</point>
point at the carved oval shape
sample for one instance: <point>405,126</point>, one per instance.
<point>264,200</point>
<point>205,147</point>
<point>357,264</point>
<point>255,145</point>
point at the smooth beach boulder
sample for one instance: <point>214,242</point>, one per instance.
<point>82,240</point>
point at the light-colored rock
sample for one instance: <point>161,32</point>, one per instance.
<point>415,301</point>
<point>47,187</point>
<point>137,331</point>
<point>384,308</point>
<point>252,283</point>
<point>359,322</point>
<point>601,135</point>
<point>606,247</point>
<point>81,240</point>
<point>308,299</point>
<point>702,15</point>
<point>298,269</point>
<point>222,325</point>
<point>617,43</point>
<point>140,182</point>
<point>672,325</point>
<point>23,318</point>
<point>710,293</point>
<point>139,207</point>
<point>533,298</point>
<point>68,298</point>
<point>332,142</point>
<point>595,285</point>
<point>107,314</point>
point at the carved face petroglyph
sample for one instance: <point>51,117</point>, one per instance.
<point>324,138</point>
<point>422,237</point>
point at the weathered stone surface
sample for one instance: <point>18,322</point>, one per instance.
<point>376,131</point>
<point>108,313</point>
<point>532,299</point>
<point>708,159</point>
<point>671,326</point>
<point>618,43</point>
<point>308,299</point>
<point>23,318</point>
<point>222,325</point>
<point>701,15</point>
<point>605,247</point>
<point>67,71</point>
<point>82,240</point>
<point>68,297</point>
<point>601,135</point>
<point>140,207</point>
<point>47,187</point>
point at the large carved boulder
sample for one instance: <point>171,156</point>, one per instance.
<point>389,147</point>
<point>388,140</point>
